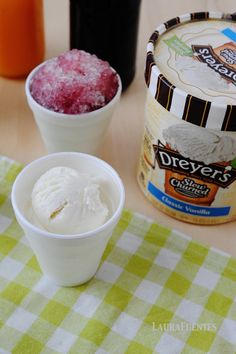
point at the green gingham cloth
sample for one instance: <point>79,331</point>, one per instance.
<point>156,291</point>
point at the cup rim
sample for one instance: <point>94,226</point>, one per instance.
<point>81,235</point>
<point>67,116</point>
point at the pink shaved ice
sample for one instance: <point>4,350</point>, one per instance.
<point>74,82</point>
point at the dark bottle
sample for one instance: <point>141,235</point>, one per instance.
<point>109,29</point>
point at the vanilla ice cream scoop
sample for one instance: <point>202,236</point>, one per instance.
<point>65,201</point>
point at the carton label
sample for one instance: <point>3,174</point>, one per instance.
<point>206,54</point>
<point>168,159</point>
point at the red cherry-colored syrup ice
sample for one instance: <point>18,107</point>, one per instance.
<point>74,82</point>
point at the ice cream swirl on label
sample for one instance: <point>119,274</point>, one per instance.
<point>200,144</point>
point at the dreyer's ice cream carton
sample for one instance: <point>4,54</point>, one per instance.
<point>187,164</point>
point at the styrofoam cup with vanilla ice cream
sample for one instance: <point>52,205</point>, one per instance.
<point>68,205</point>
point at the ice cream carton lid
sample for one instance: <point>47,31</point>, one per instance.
<point>191,68</point>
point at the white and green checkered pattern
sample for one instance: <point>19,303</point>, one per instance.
<point>152,287</point>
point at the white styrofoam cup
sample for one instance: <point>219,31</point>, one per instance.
<point>68,260</point>
<point>71,132</point>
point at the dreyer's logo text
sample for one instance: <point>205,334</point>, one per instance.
<point>218,174</point>
<point>206,54</point>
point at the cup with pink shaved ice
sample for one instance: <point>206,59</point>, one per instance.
<point>73,97</point>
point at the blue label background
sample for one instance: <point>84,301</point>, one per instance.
<point>184,207</point>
